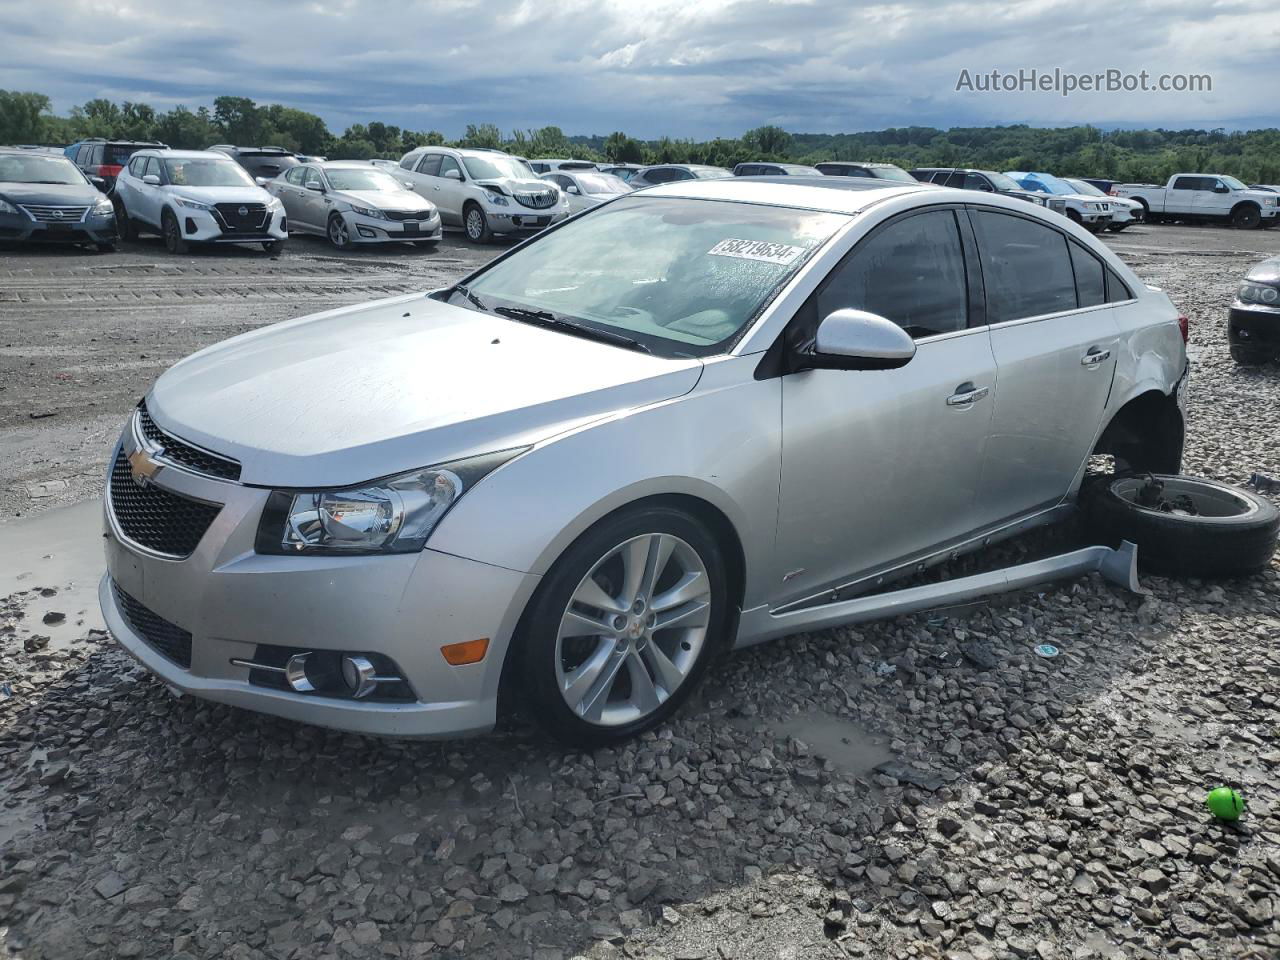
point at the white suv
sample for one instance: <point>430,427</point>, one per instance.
<point>483,191</point>
<point>196,196</point>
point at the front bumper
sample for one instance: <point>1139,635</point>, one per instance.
<point>524,219</point>
<point>91,229</point>
<point>364,229</point>
<point>1253,326</point>
<point>230,599</point>
<point>204,226</point>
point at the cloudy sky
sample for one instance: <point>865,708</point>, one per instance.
<point>698,68</point>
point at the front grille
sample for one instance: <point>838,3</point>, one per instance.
<point>50,213</point>
<point>402,215</point>
<point>538,201</point>
<point>155,518</point>
<point>184,454</point>
<point>170,641</point>
<point>252,220</point>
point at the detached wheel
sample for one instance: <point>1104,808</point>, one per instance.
<point>1186,526</point>
<point>624,626</point>
<point>1246,217</point>
<point>476,224</point>
<point>172,232</point>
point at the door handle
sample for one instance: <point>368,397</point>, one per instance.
<point>967,394</point>
<point>1095,356</point>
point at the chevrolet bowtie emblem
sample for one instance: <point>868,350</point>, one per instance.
<point>142,467</point>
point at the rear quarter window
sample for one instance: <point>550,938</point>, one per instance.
<point>1091,284</point>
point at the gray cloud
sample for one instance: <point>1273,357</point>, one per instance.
<point>682,67</point>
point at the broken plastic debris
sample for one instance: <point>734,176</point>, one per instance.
<point>1046,650</point>
<point>885,669</point>
<point>1264,484</point>
<point>6,691</point>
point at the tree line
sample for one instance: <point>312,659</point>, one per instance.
<point>1128,155</point>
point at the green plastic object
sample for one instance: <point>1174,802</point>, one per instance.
<point>1225,803</point>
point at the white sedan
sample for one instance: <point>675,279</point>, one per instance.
<point>587,188</point>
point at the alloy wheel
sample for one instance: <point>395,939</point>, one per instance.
<point>475,224</point>
<point>338,233</point>
<point>633,629</point>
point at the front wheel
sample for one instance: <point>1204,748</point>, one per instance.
<point>476,224</point>
<point>1246,218</point>
<point>624,626</point>
<point>273,247</point>
<point>1117,227</point>
<point>338,232</point>
<point>125,226</point>
<point>173,239</point>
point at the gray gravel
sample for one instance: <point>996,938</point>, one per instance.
<point>924,787</point>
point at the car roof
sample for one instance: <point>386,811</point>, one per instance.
<point>844,195</point>
<point>35,152</point>
<point>184,154</point>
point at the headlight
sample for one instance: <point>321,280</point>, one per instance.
<point>274,204</point>
<point>193,204</point>
<point>395,515</point>
<point>1269,201</point>
<point>368,212</point>
<point>1256,293</point>
<point>103,207</point>
<point>497,199</point>
<point>7,207</point>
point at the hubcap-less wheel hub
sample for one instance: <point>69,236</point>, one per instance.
<point>633,630</point>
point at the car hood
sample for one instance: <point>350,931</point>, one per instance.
<point>384,199</point>
<point>513,185</point>
<point>54,193</point>
<point>220,194</point>
<point>363,392</point>
<point>1268,271</point>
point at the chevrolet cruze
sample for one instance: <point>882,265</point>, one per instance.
<point>699,416</point>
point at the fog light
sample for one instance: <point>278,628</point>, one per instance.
<point>359,676</point>
<point>365,231</point>
<point>191,226</point>
<point>469,651</point>
<point>295,671</point>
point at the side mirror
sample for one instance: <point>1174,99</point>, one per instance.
<point>1221,189</point>
<point>152,179</point>
<point>408,184</point>
<point>315,185</point>
<point>572,189</point>
<point>99,182</point>
<point>453,174</point>
<point>262,181</point>
<point>857,340</point>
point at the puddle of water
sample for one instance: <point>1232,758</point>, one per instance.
<point>850,748</point>
<point>60,549</point>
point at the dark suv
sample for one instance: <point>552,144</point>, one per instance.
<point>774,170</point>
<point>874,171</point>
<point>263,163</point>
<point>964,178</point>
<point>99,157</point>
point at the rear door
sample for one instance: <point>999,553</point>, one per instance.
<point>880,466</point>
<point>1055,342</point>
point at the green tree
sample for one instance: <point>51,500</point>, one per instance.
<point>620,148</point>
<point>21,116</point>
<point>482,135</point>
<point>769,140</point>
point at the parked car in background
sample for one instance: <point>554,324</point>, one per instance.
<point>1268,187</point>
<point>622,170</point>
<point>196,196</point>
<point>308,158</point>
<point>1103,185</point>
<point>985,181</point>
<point>1124,212</point>
<point>774,170</point>
<point>351,202</point>
<point>1092,213</point>
<point>485,192</point>
<point>1204,196</point>
<point>544,165</point>
<point>390,166</point>
<point>263,163</point>
<point>47,198</point>
<point>584,471</point>
<point>675,172</point>
<point>875,171</point>
<point>1253,320</point>
<point>98,157</point>
<point>585,189</point>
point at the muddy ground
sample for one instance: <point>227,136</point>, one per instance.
<point>924,787</point>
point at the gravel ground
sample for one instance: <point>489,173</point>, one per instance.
<point>922,787</point>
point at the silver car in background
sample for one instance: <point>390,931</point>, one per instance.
<point>353,202</point>
<point>585,190</point>
<point>698,417</point>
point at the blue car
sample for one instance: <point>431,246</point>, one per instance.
<point>45,198</point>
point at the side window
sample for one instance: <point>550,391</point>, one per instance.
<point>95,155</point>
<point>153,166</point>
<point>136,164</point>
<point>976,181</point>
<point>407,161</point>
<point>1025,265</point>
<point>1117,289</point>
<point>430,164</point>
<point>678,174</point>
<point>1188,183</point>
<point>446,164</point>
<point>294,176</point>
<point>910,271</point>
<point>659,175</point>
<point>860,172</point>
<point>1090,281</point>
<point>560,180</point>
<point>82,155</point>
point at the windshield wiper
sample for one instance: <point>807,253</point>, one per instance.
<point>544,318</point>
<point>476,301</point>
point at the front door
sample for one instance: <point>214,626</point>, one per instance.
<point>880,466</point>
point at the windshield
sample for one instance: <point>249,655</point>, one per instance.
<point>346,179</point>
<point>1088,189</point>
<point>601,183</point>
<point>1000,181</point>
<point>20,168</point>
<point>496,167</point>
<point>1233,183</point>
<point>682,277</point>
<point>1055,185</point>
<point>206,172</point>
<point>710,173</point>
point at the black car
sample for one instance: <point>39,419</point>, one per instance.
<point>46,198</point>
<point>774,170</point>
<point>1253,322</point>
<point>964,178</point>
<point>99,157</point>
<point>263,163</point>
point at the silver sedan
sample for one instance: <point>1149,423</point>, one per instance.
<point>353,202</point>
<point>697,417</point>
<point>585,190</point>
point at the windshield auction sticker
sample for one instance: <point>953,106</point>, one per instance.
<point>756,250</point>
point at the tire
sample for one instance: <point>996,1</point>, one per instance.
<point>476,224</point>
<point>1118,227</point>
<point>338,232</point>
<point>1235,534</point>
<point>1249,356</point>
<point>172,233</point>
<point>273,247</point>
<point>125,225</point>
<point>1095,228</point>
<point>1246,217</point>
<point>622,691</point>
<point>1075,218</point>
